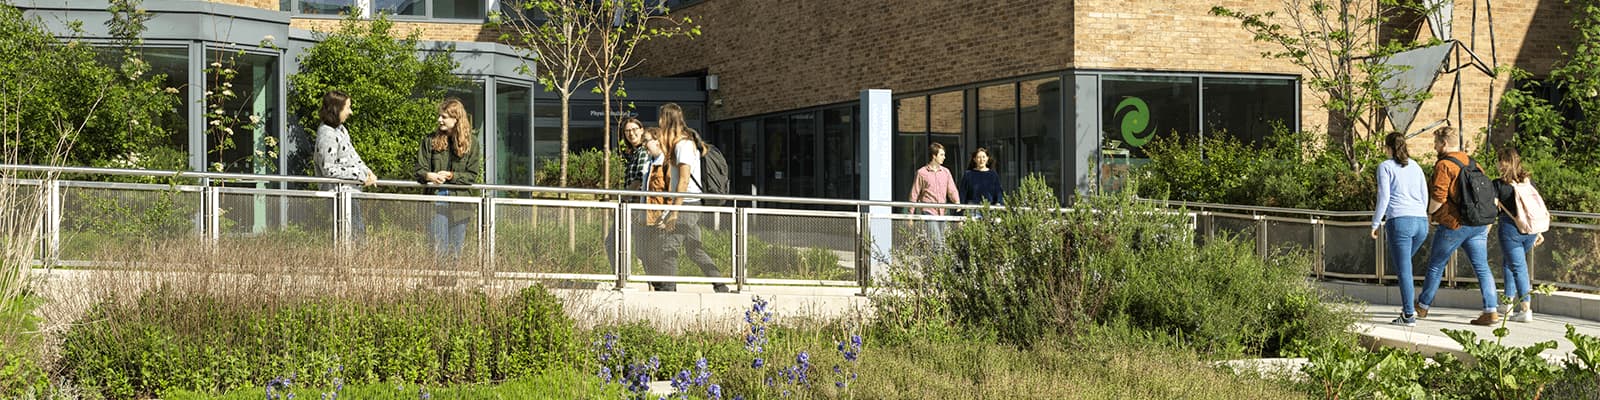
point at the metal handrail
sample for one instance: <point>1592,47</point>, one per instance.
<point>494,187</point>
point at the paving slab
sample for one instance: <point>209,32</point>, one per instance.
<point>1428,336</point>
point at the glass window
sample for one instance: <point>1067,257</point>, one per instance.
<point>172,64</point>
<point>514,143</point>
<point>839,153</point>
<point>1248,108</point>
<point>776,133</point>
<point>911,115</point>
<point>1040,133</point>
<point>458,9</point>
<point>400,7</point>
<point>325,7</point>
<point>547,132</point>
<point>997,131</point>
<point>472,97</point>
<point>748,170</point>
<point>803,155</point>
<point>236,139</point>
<point>1137,109</point>
<point>947,122</point>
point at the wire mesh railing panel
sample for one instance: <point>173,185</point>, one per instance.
<point>1569,257</point>
<point>681,244</point>
<point>1237,227</point>
<point>297,220</point>
<point>807,247</point>
<point>26,197</point>
<point>1284,237</point>
<point>100,224</point>
<point>412,233</point>
<point>553,239</point>
<point>1349,251</point>
<point>1495,259</point>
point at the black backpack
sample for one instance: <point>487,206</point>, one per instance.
<point>713,168</point>
<point>1475,194</point>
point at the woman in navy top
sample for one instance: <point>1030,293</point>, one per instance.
<point>980,184</point>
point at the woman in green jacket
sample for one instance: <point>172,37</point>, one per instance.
<point>448,157</point>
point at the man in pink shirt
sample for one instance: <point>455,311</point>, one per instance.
<point>934,185</point>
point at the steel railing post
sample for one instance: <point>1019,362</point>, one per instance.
<point>1261,236</point>
<point>741,235</point>
<point>212,202</point>
<point>343,213</point>
<point>1318,242</point>
<point>1382,252</point>
<point>486,236</point>
<point>52,224</point>
<point>863,248</point>
<point>624,264</point>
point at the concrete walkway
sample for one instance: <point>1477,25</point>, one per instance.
<point>1428,337</point>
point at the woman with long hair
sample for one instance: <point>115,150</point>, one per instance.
<point>981,184</point>
<point>1403,210</point>
<point>682,149</point>
<point>447,156</point>
<point>1514,244</point>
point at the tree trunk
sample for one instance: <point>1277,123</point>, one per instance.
<point>605,166</point>
<point>566,118</point>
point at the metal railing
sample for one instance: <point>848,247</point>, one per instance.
<point>511,232</point>
<point>1340,244</point>
<point>530,232</point>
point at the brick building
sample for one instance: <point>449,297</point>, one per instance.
<point>1046,86</point>
<point>1013,76</point>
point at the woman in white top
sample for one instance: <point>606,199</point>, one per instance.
<point>1403,209</point>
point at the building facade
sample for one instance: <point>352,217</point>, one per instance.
<point>1068,90</point>
<point>517,121</point>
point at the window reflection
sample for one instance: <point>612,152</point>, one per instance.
<point>1248,109</point>
<point>513,141</point>
<point>997,131</point>
<point>325,7</point>
<point>1138,109</point>
<point>238,141</point>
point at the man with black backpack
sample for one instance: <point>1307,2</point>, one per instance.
<point>1461,201</point>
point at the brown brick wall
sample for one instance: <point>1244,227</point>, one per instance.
<point>430,30</point>
<point>261,4</point>
<point>772,55</point>
<point>1527,35</point>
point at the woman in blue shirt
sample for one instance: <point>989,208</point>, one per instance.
<point>1403,208</point>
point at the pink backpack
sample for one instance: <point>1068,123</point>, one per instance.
<point>1532,216</point>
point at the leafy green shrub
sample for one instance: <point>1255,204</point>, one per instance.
<point>1293,169</point>
<point>20,372</point>
<point>1109,259</point>
<point>583,170</point>
<point>54,87</point>
<point>395,95</point>
<point>1491,370</point>
<point>165,341</point>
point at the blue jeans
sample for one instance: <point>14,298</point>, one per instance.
<point>1475,239</point>
<point>1514,246</point>
<point>448,236</point>
<point>1405,236</point>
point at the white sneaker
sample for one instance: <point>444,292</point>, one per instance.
<point>1523,316</point>
<point>1506,310</point>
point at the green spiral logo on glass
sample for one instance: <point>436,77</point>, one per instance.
<point>1135,119</point>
